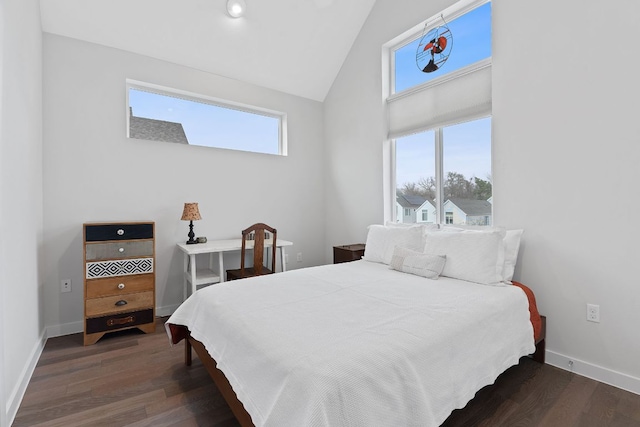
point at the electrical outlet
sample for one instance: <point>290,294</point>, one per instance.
<point>65,285</point>
<point>593,313</point>
<point>286,258</point>
<point>299,257</point>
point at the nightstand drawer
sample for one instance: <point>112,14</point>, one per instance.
<point>97,288</point>
<point>118,321</point>
<point>119,303</point>
<point>117,250</point>
<point>102,232</point>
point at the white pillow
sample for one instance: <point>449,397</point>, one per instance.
<point>511,244</point>
<point>381,241</point>
<point>418,263</point>
<point>511,248</point>
<point>474,256</point>
<point>424,225</point>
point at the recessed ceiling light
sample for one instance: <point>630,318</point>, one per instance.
<point>236,8</point>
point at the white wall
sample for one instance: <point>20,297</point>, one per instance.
<point>565,134</point>
<point>92,172</point>
<point>21,324</point>
<point>355,124</point>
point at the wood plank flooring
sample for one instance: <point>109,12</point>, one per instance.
<point>132,379</point>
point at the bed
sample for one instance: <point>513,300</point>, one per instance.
<point>361,343</point>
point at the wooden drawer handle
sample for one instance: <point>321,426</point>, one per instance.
<point>122,321</point>
<point>121,303</point>
<point>121,286</point>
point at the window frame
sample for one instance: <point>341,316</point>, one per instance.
<point>439,165</point>
<point>215,102</point>
<point>389,94</point>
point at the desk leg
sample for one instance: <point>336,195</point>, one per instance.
<point>282,259</point>
<point>184,276</point>
<point>193,273</point>
<point>221,264</point>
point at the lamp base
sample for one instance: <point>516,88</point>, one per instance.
<point>191,234</point>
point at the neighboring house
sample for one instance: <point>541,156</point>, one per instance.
<point>406,206</point>
<point>426,212</point>
<point>156,130</point>
<point>467,211</point>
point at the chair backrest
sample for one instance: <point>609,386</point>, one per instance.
<point>259,231</point>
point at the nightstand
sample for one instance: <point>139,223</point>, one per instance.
<point>348,253</point>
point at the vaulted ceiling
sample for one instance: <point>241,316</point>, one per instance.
<point>294,46</point>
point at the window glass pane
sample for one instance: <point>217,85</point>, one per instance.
<point>467,172</point>
<point>471,43</point>
<point>162,117</point>
<point>415,178</point>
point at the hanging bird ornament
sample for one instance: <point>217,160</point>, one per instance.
<point>434,48</point>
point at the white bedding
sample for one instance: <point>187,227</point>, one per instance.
<point>357,344</point>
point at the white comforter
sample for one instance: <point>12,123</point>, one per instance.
<point>357,344</point>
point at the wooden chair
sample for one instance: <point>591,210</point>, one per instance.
<point>258,267</point>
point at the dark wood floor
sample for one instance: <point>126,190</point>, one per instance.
<point>132,379</point>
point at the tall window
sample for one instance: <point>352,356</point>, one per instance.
<point>440,123</point>
<point>162,114</point>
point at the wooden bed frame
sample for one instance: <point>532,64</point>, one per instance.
<point>237,407</point>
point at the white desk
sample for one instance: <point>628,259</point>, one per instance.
<point>202,276</point>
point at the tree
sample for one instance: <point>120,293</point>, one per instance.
<point>483,189</point>
<point>455,185</point>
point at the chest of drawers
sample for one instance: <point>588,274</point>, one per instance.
<point>119,278</point>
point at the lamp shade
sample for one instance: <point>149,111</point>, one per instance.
<point>191,212</point>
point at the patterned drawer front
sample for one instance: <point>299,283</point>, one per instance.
<point>119,268</point>
<point>118,321</point>
<point>119,304</point>
<point>98,251</point>
<point>101,232</point>
<point>119,285</point>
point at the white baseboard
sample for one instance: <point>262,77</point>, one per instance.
<point>64,329</point>
<point>15,398</point>
<point>595,372</point>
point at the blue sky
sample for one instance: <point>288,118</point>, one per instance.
<point>208,125</point>
<point>471,43</point>
<point>467,146</point>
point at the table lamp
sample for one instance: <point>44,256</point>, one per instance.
<point>191,213</point>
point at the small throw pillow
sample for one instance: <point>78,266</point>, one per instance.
<point>418,263</point>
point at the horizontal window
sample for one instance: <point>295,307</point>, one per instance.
<point>162,114</point>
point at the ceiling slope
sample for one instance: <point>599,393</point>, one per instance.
<point>294,46</point>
